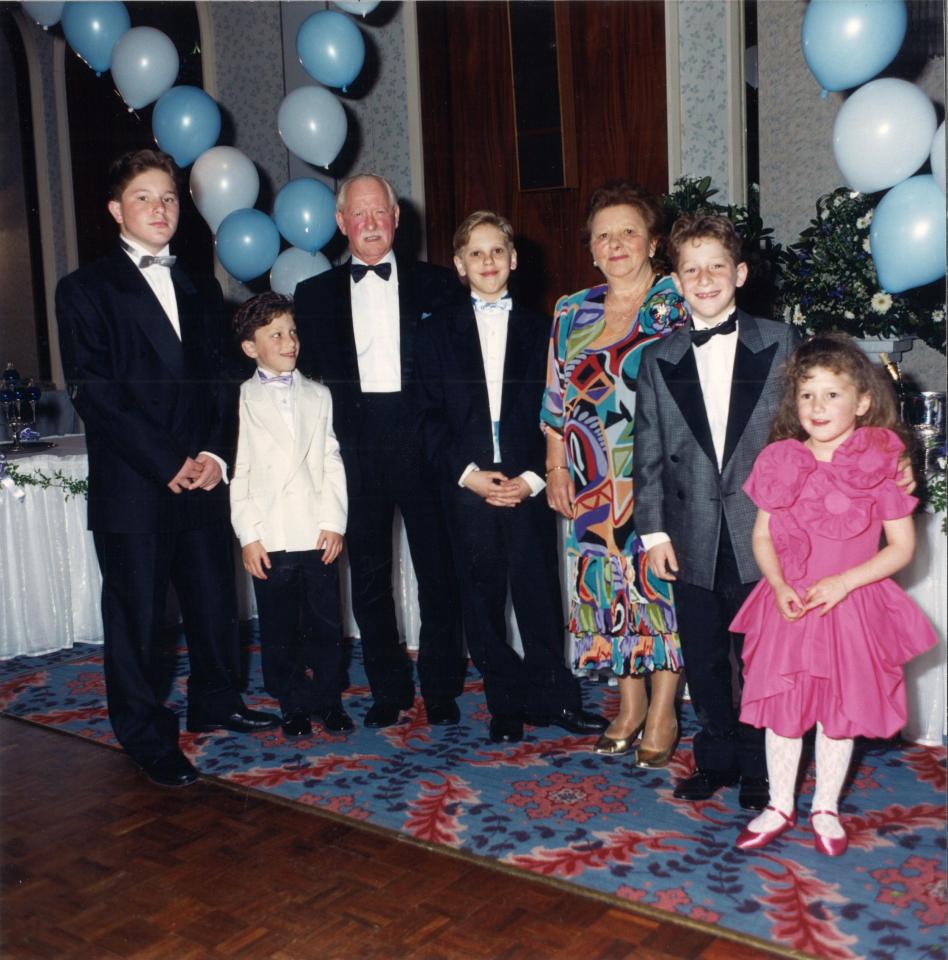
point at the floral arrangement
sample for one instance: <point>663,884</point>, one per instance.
<point>935,492</point>
<point>829,282</point>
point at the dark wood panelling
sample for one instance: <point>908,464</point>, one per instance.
<point>618,59</point>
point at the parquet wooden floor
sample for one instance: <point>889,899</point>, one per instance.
<point>98,864</point>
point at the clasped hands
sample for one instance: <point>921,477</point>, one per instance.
<point>257,561</point>
<point>497,488</point>
<point>202,472</point>
<point>825,593</point>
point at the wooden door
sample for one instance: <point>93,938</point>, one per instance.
<point>618,90</point>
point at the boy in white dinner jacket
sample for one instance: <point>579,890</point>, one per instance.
<point>288,508</point>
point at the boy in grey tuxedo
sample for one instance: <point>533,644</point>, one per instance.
<point>706,397</point>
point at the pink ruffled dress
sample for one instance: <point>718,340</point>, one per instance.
<point>843,669</point>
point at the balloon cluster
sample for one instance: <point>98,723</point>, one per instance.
<point>186,123</point>
<point>882,135</point>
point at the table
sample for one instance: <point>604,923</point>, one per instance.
<point>50,584</point>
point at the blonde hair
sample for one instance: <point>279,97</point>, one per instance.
<point>479,218</point>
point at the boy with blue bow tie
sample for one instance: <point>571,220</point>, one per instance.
<point>480,370</point>
<point>288,508</point>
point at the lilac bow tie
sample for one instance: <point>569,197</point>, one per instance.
<point>503,305</point>
<point>281,379</point>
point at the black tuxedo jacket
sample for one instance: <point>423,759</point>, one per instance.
<point>327,340</point>
<point>452,398</point>
<point>148,400</point>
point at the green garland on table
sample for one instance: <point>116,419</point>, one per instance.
<point>56,480</point>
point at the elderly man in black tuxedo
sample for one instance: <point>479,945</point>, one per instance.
<point>142,346</point>
<point>357,325</point>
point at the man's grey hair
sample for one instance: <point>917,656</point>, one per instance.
<point>344,189</point>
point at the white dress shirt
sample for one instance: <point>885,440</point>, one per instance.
<point>158,278</point>
<point>283,396</point>
<point>492,333</point>
<point>376,327</point>
<point>715,362</point>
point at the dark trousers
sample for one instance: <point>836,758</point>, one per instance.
<point>136,571</point>
<point>392,475</point>
<point>300,625</point>
<point>500,548</point>
<point>723,744</point>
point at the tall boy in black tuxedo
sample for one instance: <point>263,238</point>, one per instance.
<point>358,325</point>
<point>142,350</point>
<point>480,370</point>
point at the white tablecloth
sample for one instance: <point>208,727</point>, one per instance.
<point>49,578</point>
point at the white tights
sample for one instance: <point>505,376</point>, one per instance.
<point>783,763</point>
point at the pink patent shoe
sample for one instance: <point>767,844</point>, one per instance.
<point>750,840</point>
<point>828,846</point>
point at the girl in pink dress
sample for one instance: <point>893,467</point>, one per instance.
<point>826,631</point>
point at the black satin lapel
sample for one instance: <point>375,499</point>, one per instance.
<point>407,319</point>
<point>466,347</point>
<point>750,374</point>
<point>685,387</point>
<point>190,318</point>
<point>345,332</point>
<point>517,358</point>
<point>143,308</point>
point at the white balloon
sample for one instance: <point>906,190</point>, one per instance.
<point>883,134</point>
<point>938,156</point>
<point>313,125</point>
<point>360,7</point>
<point>223,180</point>
<point>293,266</point>
<point>46,13</point>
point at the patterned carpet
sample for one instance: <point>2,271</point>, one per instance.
<point>550,806</point>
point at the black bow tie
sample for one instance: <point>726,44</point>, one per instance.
<point>700,337</point>
<point>358,270</point>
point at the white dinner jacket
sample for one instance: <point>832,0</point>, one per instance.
<point>285,490</point>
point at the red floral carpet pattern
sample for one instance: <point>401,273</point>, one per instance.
<point>550,806</point>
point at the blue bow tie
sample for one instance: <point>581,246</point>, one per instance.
<point>358,270</point>
<point>503,305</point>
<point>280,379</point>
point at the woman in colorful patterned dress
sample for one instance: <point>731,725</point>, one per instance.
<point>621,617</point>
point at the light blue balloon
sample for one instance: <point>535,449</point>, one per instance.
<point>45,12</point>
<point>185,123</point>
<point>247,244</point>
<point>93,28</point>
<point>908,235</point>
<point>360,7</point>
<point>292,267</point>
<point>313,125</point>
<point>144,65</point>
<point>331,48</point>
<point>305,213</point>
<point>847,42</point>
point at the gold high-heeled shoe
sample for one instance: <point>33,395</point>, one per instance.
<point>655,759</point>
<point>615,746</point>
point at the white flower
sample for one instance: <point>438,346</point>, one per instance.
<point>824,213</point>
<point>853,194</point>
<point>660,309</point>
<point>881,302</point>
<point>867,246</point>
<point>938,316</point>
<point>797,314</point>
<point>837,201</point>
<point>864,222</point>
<point>849,315</point>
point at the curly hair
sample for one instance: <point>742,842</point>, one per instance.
<point>703,226</point>
<point>625,193</point>
<point>839,353</point>
<point>258,311</point>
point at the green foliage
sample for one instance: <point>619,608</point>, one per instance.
<point>829,282</point>
<point>39,478</point>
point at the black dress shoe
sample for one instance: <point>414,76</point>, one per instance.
<point>381,715</point>
<point>442,713</point>
<point>171,770</point>
<point>703,783</point>
<point>296,725</point>
<point>243,720</point>
<point>335,719</point>
<point>755,793</point>
<point>574,721</point>
<point>506,729</point>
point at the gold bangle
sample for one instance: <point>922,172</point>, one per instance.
<point>562,466</point>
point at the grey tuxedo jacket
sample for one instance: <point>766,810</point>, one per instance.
<point>678,486</point>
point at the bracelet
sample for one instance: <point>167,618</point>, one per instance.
<point>550,470</point>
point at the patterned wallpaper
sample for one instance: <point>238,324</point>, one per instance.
<point>704,91</point>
